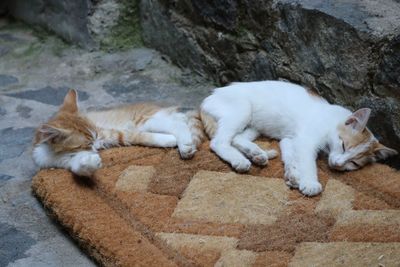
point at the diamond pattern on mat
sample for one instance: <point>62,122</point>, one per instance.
<point>232,198</point>
<point>135,178</point>
<point>373,217</point>
<point>201,243</point>
<point>357,225</point>
<point>346,254</point>
<point>336,198</point>
<point>198,212</point>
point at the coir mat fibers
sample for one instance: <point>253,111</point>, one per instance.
<point>147,207</point>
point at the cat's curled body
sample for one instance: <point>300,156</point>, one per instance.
<point>71,139</point>
<point>235,115</point>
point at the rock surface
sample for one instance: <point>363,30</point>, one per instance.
<point>109,24</point>
<point>348,51</point>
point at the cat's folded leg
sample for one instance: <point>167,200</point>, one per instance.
<point>230,154</point>
<point>85,163</point>
<point>152,139</point>
<point>135,137</point>
<point>232,117</point>
<point>186,145</point>
<point>243,142</point>
<point>176,125</point>
<point>221,145</point>
<point>300,166</point>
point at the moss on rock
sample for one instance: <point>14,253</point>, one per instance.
<point>126,33</point>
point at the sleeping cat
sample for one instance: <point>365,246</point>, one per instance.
<point>71,139</point>
<point>235,115</point>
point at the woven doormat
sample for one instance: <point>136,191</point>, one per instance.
<point>147,207</point>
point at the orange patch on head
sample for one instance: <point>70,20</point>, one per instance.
<point>68,131</point>
<point>72,133</point>
<point>373,150</point>
<point>352,139</point>
<point>364,140</point>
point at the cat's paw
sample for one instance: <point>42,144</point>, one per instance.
<point>291,180</point>
<point>272,153</point>
<point>310,188</point>
<point>187,151</point>
<point>259,157</point>
<point>241,165</point>
<point>292,183</point>
<point>85,164</point>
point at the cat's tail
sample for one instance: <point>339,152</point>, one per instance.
<point>196,127</point>
<point>209,123</point>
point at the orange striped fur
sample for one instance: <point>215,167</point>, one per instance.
<point>72,131</point>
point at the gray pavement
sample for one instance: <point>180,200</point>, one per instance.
<point>36,70</point>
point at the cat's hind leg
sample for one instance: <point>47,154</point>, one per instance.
<point>231,121</point>
<point>111,138</point>
<point>175,124</point>
<point>244,142</point>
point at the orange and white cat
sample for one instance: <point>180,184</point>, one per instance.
<point>71,139</point>
<point>235,115</point>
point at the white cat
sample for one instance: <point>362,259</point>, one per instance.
<point>235,115</point>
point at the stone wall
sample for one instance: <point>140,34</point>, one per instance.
<point>66,18</point>
<point>94,24</point>
<point>348,51</point>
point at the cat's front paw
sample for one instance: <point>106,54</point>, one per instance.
<point>85,164</point>
<point>290,179</point>
<point>187,151</point>
<point>310,188</point>
<point>241,165</point>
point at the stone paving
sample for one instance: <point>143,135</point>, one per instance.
<point>36,70</point>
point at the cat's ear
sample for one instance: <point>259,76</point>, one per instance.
<point>358,120</point>
<point>48,132</point>
<point>383,152</point>
<point>70,104</point>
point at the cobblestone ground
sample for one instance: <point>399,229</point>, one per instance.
<point>36,70</point>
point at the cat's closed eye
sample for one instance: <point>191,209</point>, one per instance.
<point>355,163</point>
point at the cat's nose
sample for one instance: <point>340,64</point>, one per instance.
<point>335,164</point>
